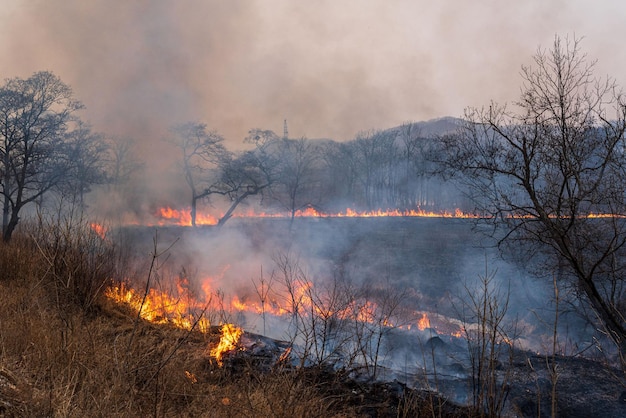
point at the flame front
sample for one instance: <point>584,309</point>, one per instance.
<point>182,217</point>
<point>161,307</point>
<point>181,309</point>
<point>99,229</point>
<point>229,341</point>
<point>423,322</point>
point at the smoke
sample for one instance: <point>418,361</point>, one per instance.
<point>331,68</point>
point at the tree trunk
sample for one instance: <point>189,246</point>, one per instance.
<point>231,209</point>
<point>6,207</point>
<point>292,218</point>
<point>6,210</point>
<point>608,314</point>
<point>8,228</point>
<point>614,326</point>
<point>194,201</point>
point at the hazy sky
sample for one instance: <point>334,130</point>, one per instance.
<point>330,67</point>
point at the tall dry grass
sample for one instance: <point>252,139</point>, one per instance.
<point>67,351</point>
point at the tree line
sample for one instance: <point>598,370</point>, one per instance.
<point>46,149</point>
<point>377,170</point>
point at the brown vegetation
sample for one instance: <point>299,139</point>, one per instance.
<point>66,350</point>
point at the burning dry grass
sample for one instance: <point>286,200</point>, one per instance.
<point>58,364</point>
<point>61,356</point>
<point>182,217</point>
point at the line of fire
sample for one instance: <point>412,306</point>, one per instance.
<point>180,306</point>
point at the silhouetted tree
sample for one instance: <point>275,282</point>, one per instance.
<point>553,173</point>
<point>375,153</point>
<point>34,152</point>
<point>87,150</point>
<point>202,153</point>
<point>339,175</point>
<point>122,160</point>
<point>248,173</point>
<point>298,182</point>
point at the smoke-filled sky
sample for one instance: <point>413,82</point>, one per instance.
<point>331,68</point>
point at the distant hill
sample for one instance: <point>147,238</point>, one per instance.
<point>433,127</point>
<point>429,128</point>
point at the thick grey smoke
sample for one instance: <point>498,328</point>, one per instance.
<point>331,68</point>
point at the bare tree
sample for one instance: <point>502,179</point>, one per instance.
<point>298,183</point>
<point>87,150</point>
<point>202,152</point>
<point>122,160</point>
<point>339,174</point>
<point>553,173</point>
<point>418,186</point>
<point>241,177</point>
<point>377,313</point>
<point>249,173</point>
<point>490,340</point>
<point>34,116</point>
<point>320,329</point>
<point>375,154</point>
<point>410,151</point>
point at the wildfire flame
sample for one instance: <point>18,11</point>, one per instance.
<point>182,217</point>
<point>99,229</point>
<point>161,307</point>
<point>229,341</point>
<point>180,308</point>
<point>423,322</point>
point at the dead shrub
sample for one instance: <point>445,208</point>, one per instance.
<point>74,259</point>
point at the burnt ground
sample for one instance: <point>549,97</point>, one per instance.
<point>432,260</point>
<point>584,387</point>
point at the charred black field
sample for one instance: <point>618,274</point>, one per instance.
<point>433,253</point>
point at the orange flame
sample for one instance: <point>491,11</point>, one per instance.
<point>270,307</point>
<point>161,307</point>
<point>229,341</point>
<point>284,356</point>
<point>423,322</point>
<point>180,309</point>
<point>99,229</point>
<point>182,217</point>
